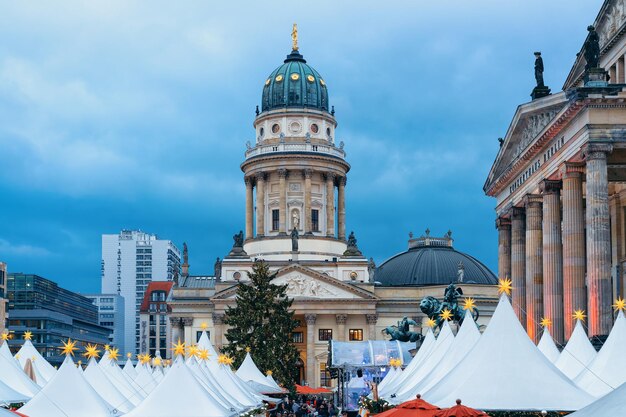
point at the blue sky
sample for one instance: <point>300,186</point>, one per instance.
<point>127,114</point>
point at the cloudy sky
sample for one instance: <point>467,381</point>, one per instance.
<point>128,114</point>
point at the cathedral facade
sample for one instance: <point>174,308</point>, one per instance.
<point>558,180</point>
<point>295,176</point>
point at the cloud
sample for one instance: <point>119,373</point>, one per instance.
<point>10,249</point>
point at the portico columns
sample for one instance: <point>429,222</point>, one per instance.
<point>518,262</point>
<point>308,219</point>
<point>371,320</point>
<point>310,348</point>
<point>598,240</point>
<point>187,322</point>
<point>260,204</point>
<point>574,292</point>
<point>534,265</point>
<point>218,328</point>
<point>504,247</point>
<point>552,257</point>
<point>341,202</point>
<point>175,325</point>
<point>341,327</point>
<point>330,204</point>
<point>249,208</point>
<point>282,202</point>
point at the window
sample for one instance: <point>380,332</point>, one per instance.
<point>315,220</point>
<point>297,337</point>
<point>275,219</point>
<point>324,376</point>
<point>355,335</point>
<point>325,334</point>
<point>199,334</point>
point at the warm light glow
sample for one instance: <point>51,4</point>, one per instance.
<point>28,335</point>
<point>469,304</point>
<point>179,348</point>
<point>69,347</point>
<point>129,355</point>
<point>203,354</point>
<point>431,323</point>
<point>192,350</point>
<point>445,314</point>
<point>145,359</point>
<point>91,351</point>
<point>107,348</point>
<point>269,373</point>
<point>546,322</point>
<point>204,326</point>
<point>579,315</point>
<point>248,349</point>
<point>224,360</point>
<point>5,336</point>
<point>114,354</point>
<point>156,361</point>
<point>504,286</point>
<point>620,304</point>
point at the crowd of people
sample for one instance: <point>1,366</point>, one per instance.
<point>307,406</point>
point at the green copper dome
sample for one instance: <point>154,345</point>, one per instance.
<point>294,84</point>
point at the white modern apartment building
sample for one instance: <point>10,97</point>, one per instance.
<point>111,315</point>
<point>130,261</point>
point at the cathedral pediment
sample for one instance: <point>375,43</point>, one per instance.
<point>307,284</point>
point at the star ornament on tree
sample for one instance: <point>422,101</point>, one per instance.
<point>431,323</point>
<point>545,322</point>
<point>469,304</point>
<point>504,286</point>
<point>179,348</point>
<point>91,351</point>
<point>446,314</point>
<point>579,315</point>
<point>620,304</point>
<point>28,335</point>
<point>69,347</point>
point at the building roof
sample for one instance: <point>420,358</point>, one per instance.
<point>294,84</point>
<point>197,281</point>
<point>155,286</point>
<point>433,261</point>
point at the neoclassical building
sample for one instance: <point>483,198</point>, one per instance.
<point>295,174</point>
<point>558,180</point>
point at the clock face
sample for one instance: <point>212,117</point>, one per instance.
<point>310,78</point>
<point>279,78</point>
<point>295,76</point>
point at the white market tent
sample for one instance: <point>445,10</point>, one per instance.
<point>28,351</point>
<point>14,376</point>
<point>129,369</point>
<point>210,386</point>
<point>68,394</point>
<point>122,382</point>
<point>423,352</point>
<point>106,388</point>
<point>547,346</point>
<point>608,369</point>
<point>250,373</point>
<point>205,343</point>
<point>506,371</point>
<point>8,395</point>
<point>410,388</point>
<point>144,379</point>
<point>611,405</point>
<point>393,373</point>
<point>271,382</point>
<point>577,353</point>
<point>464,342</point>
<point>180,394</point>
<point>212,380</point>
<point>240,393</point>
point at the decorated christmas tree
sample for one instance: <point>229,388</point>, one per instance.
<point>262,322</point>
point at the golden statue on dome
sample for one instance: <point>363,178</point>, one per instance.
<point>294,37</point>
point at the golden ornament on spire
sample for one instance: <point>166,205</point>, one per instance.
<point>192,350</point>
<point>204,326</point>
<point>114,354</point>
<point>91,351</point>
<point>469,304</point>
<point>248,349</point>
<point>129,355</point>
<point>179,348</point>
<point>203,354</point>
<point>156,361</point>
<point>224,360</point>
<point>107,348</point>
<point>269,373</point>
<point>145,359</point>
<point>504,286</point>
<point>445,314</point>
<point>294,37</point>
<point>5,336</point>
<point>545,322</point>
<point>579,315</point>
<point>69,347</point>
<point>431,323</point>
<point>620,304</point>
<point>28,335</point>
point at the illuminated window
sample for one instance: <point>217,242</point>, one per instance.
<point>355,335</point>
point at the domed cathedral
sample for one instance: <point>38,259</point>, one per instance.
<point>295,176</point>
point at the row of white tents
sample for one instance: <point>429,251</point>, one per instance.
<point>502,369</point>
<point>189,387</point>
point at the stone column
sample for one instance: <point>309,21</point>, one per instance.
<point>341,327</point>
<point>341,203</point>
<point>306,216</point>
<point>282,202</point>
<point>260,204</point>
<point>310,348</point>
<point>552,257</point>
<point>218,328</point>
<point>615,207</point>
<point>175,325</point>
<point>371,319</point>
<point>187,323</point>
<point>599,301</point>
<point>574,291</point>
<point>330,204</point>
<point>534,265</point>
<point>249,208</point>
<point>518,262</point>
<point>504,247</point>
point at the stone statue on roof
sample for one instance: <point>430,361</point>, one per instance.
<point>591,48</point>
<point>185,253</point>
<point>294,240</point>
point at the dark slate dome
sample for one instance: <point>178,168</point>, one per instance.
<point>294,84</point>
<point>433,261</point>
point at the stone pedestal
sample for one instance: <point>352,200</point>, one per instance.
<point>596,77</point>
<point>539,92</point>
<point>534,265</point>
<point>518,262</point>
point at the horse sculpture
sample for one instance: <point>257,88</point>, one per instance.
<point>401,332</point>
<point>433,307</point>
